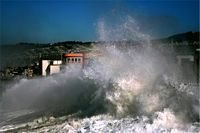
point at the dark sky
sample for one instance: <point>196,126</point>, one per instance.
<point>47,21</point>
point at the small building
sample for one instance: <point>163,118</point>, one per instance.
<point>73,58</point>
<point>50,67</point>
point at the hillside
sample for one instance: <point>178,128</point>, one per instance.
<point>190,37</point>
<point>23,54</point>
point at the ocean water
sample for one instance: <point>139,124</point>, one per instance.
<point>137,82</point>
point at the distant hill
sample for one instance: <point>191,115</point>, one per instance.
<point>23,54</point>
<point>188,36</point>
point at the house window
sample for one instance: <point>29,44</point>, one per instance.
<point>75,59</point>
<point>79,60</point>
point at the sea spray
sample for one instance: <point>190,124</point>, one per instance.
<point>130,78</point>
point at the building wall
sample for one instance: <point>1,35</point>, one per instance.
<point>45,64</point>
<point>50,67</point>
<point>54,69</point>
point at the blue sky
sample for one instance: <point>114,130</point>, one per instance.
<point>48,21</point>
